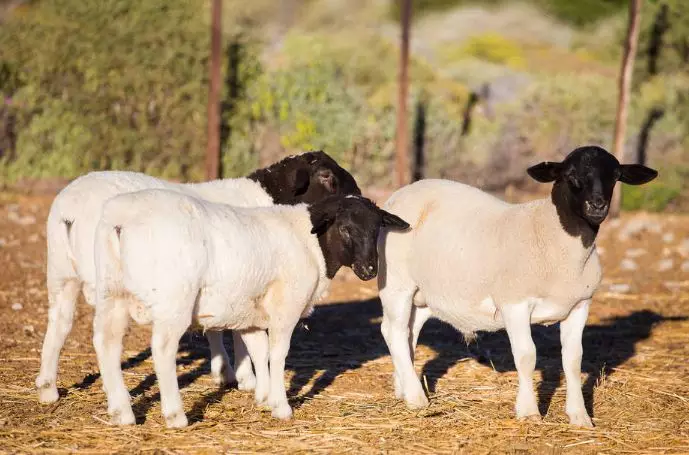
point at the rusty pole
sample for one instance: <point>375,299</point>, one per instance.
<point>625,83</point>
<point>402,137</point>
<point>213,146</point>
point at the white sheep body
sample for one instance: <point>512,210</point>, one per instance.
<point>81,203</point>
<point>471,250</point>
<point>188,260</point>
<point>71,228</point>
<point>480,263</point>
<point>235,260</point>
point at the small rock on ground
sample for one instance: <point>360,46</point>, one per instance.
<point>620,288</point>
<point>683,248</point>
<point>665,265</point>
<point>16,306</point>
<point>635,252</point>
<point>636,226</point>
<point>628,264</point>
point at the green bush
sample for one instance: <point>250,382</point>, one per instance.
<point>106,84</point>
<point>578,13</point>
<point>489,47</point>
<point>656,195</point>
<point>673,49</point>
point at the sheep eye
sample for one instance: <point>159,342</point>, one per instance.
<point>575,184</point>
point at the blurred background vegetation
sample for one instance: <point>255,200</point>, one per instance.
<point>495,86</point>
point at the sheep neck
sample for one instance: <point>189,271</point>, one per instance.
<point>572,224</point>
<point>333,252</point>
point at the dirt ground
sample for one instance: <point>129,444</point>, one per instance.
<point>636,374</point>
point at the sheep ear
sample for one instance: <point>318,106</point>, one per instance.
<point>636,174</point>
<point>327,179</point>
<point>393,221</point>
<point>321,224</point>
<point>545,172</point>
<point>301,181</point>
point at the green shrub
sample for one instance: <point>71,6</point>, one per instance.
<point>107,84</point>
<point>656,195</point>
<point>578,13</point>
<point>673,53</point>
<point>489,47</point>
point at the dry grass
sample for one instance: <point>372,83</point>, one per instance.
<point>635,373</point>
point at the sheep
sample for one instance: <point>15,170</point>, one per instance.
<point>479,263</point>
<point>173,259</point>
<point>72,224</point>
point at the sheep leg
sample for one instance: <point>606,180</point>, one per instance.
<point>279,340</point>
<point>256,342</point>
<point>242,364</point>
<point>109,326</point>
<point>221,371</point>
<point>517,319</point>
<point>397,319</point>
<point>62,296</point>
<point>571,330</point>
<point>419,316</point>
<point>164,345</point>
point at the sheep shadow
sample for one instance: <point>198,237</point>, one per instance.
<point>344,336</point>
<point>131,362</point>
<point>193,347</point>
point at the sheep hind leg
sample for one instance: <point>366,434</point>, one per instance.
<point>221,371</point>
<point>109,326</point>
<point>164,345</point>
<point>256,342</point>
<point>279,341</point>
<point>242,364</point>
<point>397,320</point>
<point>62,296</point>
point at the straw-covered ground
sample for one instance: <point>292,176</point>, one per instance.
<point>636,374</point>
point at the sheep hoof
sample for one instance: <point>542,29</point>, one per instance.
<point>246,383</point>
<point>224,378</point>
<point>47,394</point>
<point>419,401</point>
<point>262,399</point>
<point>122,417</point>
<point>283,412</point>
<point>581,419</point>
<point>176,420</point>
<point>399,394</point>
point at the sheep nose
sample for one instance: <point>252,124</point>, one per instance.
<point>598,203</point>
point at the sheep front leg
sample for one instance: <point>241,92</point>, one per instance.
<point>256,342</point>
<point>242,363</point>
<point>397,320</point>
<point>62,296</point>
<point>419,316</point>
<point>164,345</point>
<point>517,319</point>
<point>221,371</point>
<point>279,339</point>
<point>109,326</point>
<point>571,330</point>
